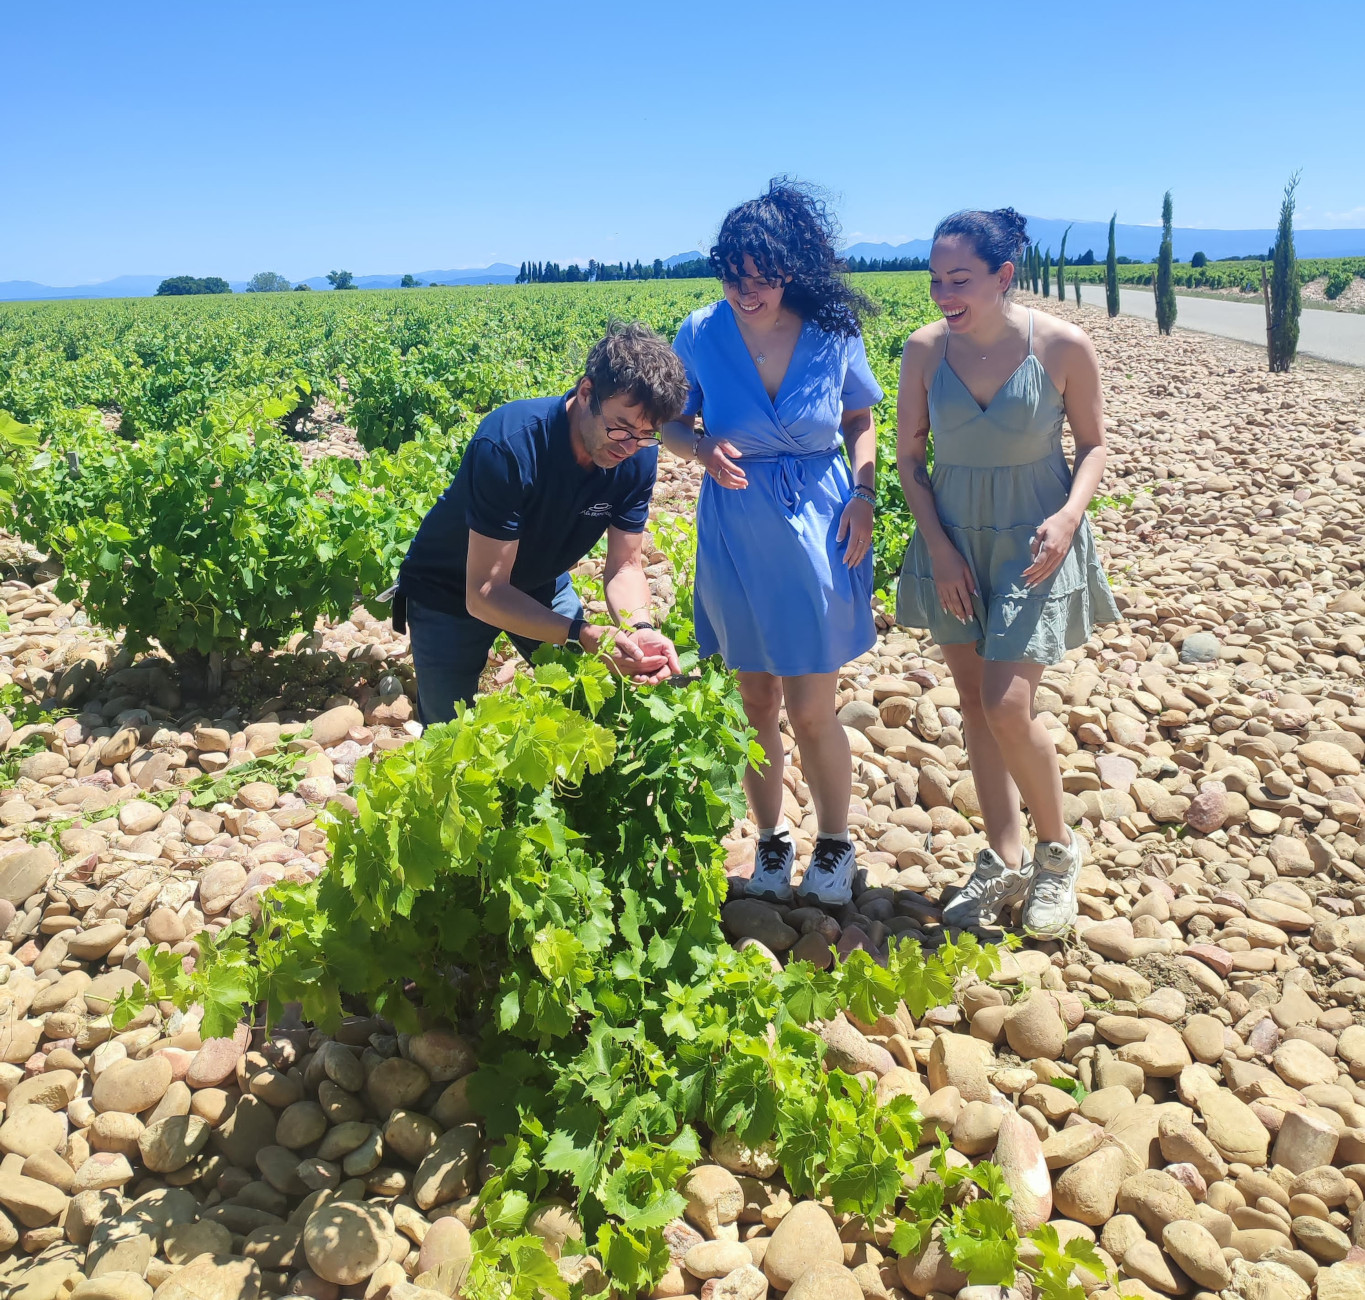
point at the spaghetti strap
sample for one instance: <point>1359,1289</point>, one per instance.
<point>1030,331</point>
<point>946,335</point>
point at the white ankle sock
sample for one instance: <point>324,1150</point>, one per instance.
<point>841,836</point>
<point>768,832</point>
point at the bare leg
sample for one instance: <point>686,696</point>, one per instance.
<point>1007,691</point>
<point>826,762</point>
<point>995,787</point>
<point>762,696</point>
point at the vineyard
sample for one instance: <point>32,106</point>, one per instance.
<point>202,525</point>
<point>299,999</point>
<point>544,875</point>
<point>1242,276</point>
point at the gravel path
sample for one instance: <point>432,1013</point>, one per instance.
<point>1329,336</point>
<point>1211,1003</point>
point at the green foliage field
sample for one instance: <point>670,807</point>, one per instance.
<point>1226,275</point>
<point>194,521</point>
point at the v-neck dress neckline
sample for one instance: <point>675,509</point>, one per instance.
<point>962,383</point>
<point>945,364</point>
<point>774,401</point>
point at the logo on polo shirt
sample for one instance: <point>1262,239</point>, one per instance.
<point>598,510</point>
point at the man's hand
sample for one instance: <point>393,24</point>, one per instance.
<point>650,641</point>
<point>623,652</point>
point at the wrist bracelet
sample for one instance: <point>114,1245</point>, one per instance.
<point>697,439</point>
<point>642,625</point>
<point>865,494</point>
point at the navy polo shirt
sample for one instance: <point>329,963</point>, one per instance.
<point>518,481</point>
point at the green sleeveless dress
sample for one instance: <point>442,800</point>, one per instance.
<point>998,473</point>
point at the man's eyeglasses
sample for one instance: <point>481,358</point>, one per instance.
<point>624,433</point>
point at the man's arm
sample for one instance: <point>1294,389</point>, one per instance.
<point>623,576</point>
<point>491,598</point>
<point>628,599</point>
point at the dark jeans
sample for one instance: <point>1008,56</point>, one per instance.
<point>449,651</point>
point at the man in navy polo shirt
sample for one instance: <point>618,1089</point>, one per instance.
<point>538,485</point>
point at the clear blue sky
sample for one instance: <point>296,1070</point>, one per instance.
<point>232,136</point>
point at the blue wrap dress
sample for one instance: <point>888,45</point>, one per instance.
<point>772,591</point>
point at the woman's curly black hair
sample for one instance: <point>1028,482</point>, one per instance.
<point>789,231</point>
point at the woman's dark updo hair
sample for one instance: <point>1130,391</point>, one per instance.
<point>998,237</point>
<point>789,231</point>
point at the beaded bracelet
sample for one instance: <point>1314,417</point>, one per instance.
<point>865,494</point>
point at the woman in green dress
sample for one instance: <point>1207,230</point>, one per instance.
<point>1002,569</point>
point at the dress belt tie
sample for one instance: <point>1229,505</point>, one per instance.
<point>791,481</point>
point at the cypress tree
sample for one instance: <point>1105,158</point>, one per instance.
<point>1061,268</point>
<point>1037,268</point>
<point>1285,304</point>
<point>1111,271</point>
<point>1165,292</point>
<point>1047,274</point>
<point>1076,284</point>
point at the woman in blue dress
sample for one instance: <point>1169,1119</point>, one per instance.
<point>779,375</point>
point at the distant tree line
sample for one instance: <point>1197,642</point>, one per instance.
<point>553,273</point>
<point>696,268</point>
<point>888,264</point>
<point>183,284</point>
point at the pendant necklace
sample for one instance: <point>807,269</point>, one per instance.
<point>760,358</point>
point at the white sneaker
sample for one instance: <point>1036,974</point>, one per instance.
<point>772,878</point>
<point>828,881</point>
<point>986,898</point>
<point>1051,908</point>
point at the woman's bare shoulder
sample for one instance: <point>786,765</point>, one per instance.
<point>925,341</point>
<point>1053,331</point>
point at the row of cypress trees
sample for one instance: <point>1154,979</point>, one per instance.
<point>1283,302</point>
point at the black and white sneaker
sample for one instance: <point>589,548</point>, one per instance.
<point>773,861</point>
<point>828,881</point>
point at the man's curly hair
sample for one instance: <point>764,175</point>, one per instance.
<point>790,231</point>
<point>634,361</point>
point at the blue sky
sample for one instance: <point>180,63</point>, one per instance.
<point>232,137</point>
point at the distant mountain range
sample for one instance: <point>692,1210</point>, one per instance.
<point>1142,242</point>
<point>1138,242</point>
<point>144,286</point>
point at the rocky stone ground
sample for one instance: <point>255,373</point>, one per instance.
<point>1209,1004</point>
